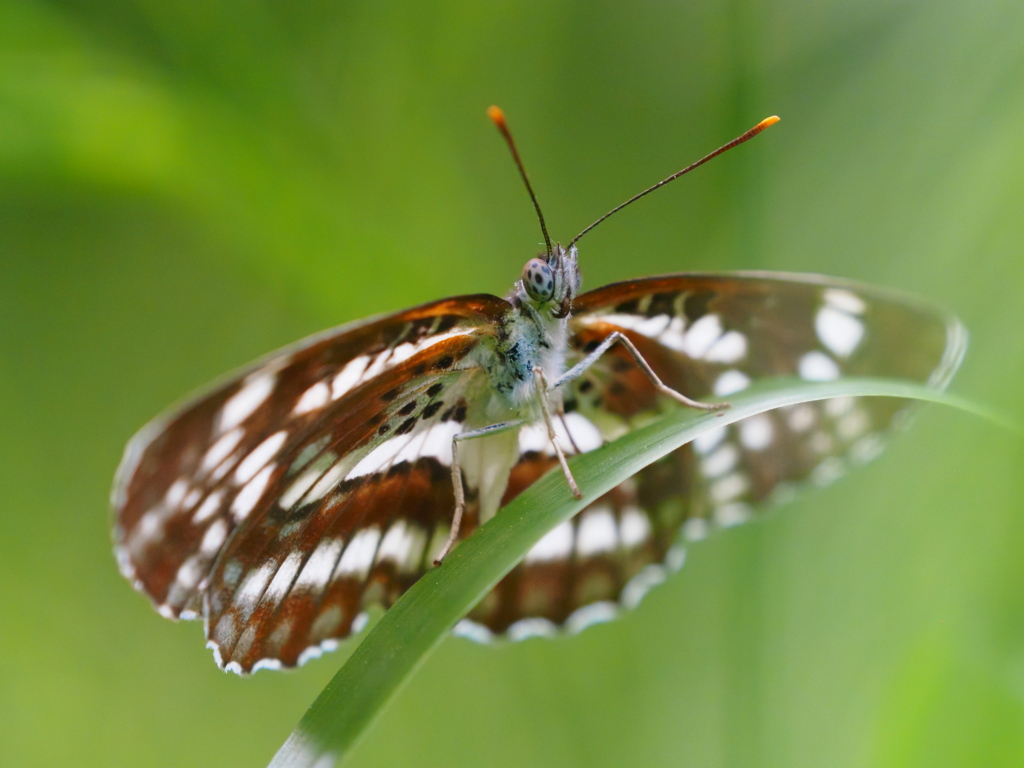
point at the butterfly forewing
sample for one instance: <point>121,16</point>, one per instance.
<point>194,480</point>
<point>711,336</point>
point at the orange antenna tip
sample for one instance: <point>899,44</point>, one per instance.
<point>498,117</point>
<point>768,121</point>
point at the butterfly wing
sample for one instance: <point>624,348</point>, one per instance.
<point>710,336</point>
<point>207,476</point>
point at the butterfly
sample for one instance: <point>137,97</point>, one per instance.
<point>326,478</point>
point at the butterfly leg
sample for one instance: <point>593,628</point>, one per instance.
<point>542,390</point>
<point>615,337</point>
<point>460,494</point>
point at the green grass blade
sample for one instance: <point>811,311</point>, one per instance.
<point>417,623</point>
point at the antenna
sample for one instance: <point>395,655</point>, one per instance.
<point>767,122</point>
<point>498,118</point>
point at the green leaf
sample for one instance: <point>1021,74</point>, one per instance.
<point>421,618</point>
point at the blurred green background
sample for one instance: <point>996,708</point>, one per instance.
<point>185,186</point>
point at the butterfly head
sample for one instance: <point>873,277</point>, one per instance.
<point>550,283</point>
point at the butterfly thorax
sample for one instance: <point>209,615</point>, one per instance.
<point>533,333</point>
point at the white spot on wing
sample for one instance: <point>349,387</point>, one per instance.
<point>359,622</point>
<point>731,348</point>
<point>220,449</point>
<point>316,573</point>
<point>259,457</point>
<point>817,366</point>
<point>438,442</point>
<point>721,461</point>
<point>801,417</point>
<point>314,398</point>
<point>209,506</point>
<point>838,331</point>
<point>556,544</point>
<point>325,484</point>
<point>853,425</point>
<point>315,652</point>
<point>585,435</point>
<point>674,337</point>
<point>251,493</point>
<point>225,466</point>
<point>190,572</point>
<point>845,300</point>
<point>358,555</point>
<point>756,432</point>
<point>253,585</point>
<point>294,492</point>
<point>471,630</point>
<point>695,529</point>
<point>349,376</point>
<point>634,527</point>
<point>255,389</point>
<point>653,326</point>
<point>729,515</point>
<point>535,627</point>
<point>404,351</point>
<point>150,526</point>
<point>403,545</point>
<point>534,437</point>
<point>828,471</point>
<point>378,364</point>
<point>214,538</point>
<point>675,558</point>
<point>731,382</point>
<point>702,334</point>
<point>589,615</point>
<point>191,498</point>
<point>283,578</point>
<point>266,664</point>
<point>176,493</point>
<point>390,452</point>
<point>597,532</point>
<point>729,487</point>
<point>641,584</point>
<point>706,442</point>
<point>866,449</point>
<point>309,452</point>
<point>629,322</point>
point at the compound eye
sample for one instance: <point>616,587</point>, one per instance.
<point>538,280</point>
